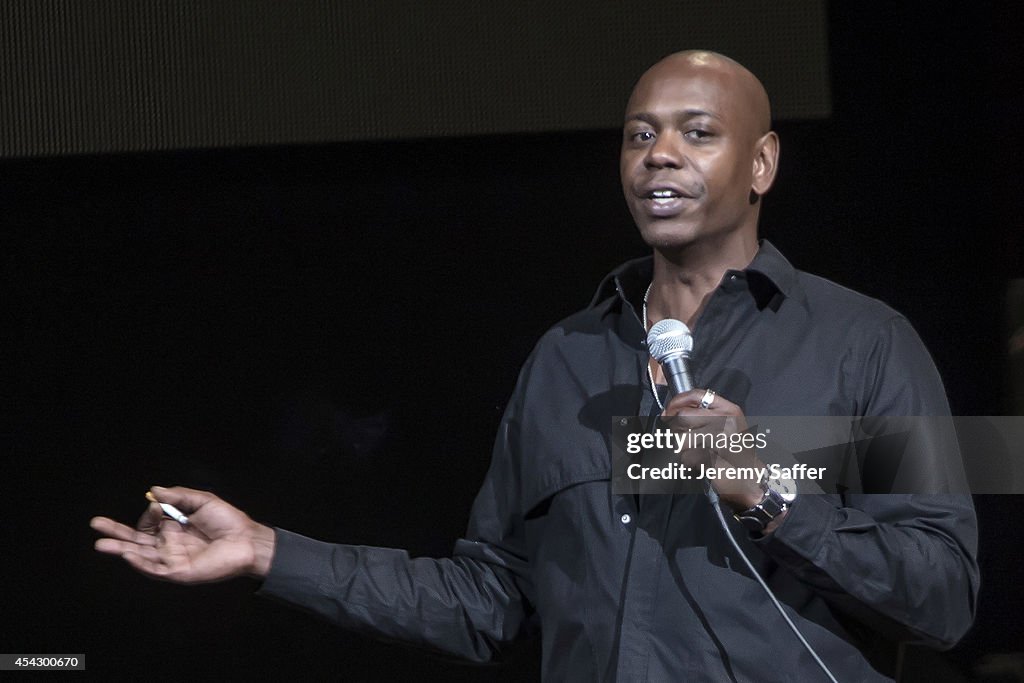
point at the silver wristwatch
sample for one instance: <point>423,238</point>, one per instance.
<point>779,494</point>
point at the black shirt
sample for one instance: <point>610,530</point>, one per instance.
<point>650,590</point>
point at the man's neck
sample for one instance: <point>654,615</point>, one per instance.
<point>684,279</point>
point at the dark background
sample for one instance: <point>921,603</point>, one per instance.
<point>326,335</point>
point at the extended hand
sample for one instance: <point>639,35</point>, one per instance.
<point>219,542</point>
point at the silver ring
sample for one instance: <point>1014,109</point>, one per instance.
<point>708,399</point>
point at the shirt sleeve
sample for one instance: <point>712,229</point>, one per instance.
<point>902,564</point>
<point>465,606</point>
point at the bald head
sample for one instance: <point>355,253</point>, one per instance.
<point>747,91</point>
<point>698,153</point>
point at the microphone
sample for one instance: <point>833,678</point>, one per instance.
<point>670,343</point>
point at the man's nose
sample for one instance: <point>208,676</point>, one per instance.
<point>666,152</point>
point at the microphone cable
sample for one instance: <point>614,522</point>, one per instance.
<point>713,497</point>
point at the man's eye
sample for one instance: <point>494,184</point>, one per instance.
<point>643,136</point>
<point>698,134</point>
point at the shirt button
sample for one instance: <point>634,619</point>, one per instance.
<point>626,519</point>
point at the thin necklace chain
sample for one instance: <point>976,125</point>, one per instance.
<point>650,373</point>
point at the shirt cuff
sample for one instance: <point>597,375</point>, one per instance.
<point>299,567</point>
<point>798,540</point>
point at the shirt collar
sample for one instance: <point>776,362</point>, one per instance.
<point>630,280</point>
<point>770,262</point>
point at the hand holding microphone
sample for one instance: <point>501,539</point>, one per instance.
<point>670,342</point>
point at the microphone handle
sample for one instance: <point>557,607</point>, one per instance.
<point>677,372</point>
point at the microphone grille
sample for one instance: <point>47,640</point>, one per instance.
<point>669,338</point>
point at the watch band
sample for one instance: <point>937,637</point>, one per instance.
<point>771,505</point>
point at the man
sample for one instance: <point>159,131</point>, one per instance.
<point>648,588</point>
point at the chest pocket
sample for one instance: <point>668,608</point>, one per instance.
<point>560,451</point>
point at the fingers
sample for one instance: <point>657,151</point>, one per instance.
<point>121,538</point>
<point>150,520</point>
<point>112,546</point>
<point>688,404</point>
<point>185,499</point>
<point>121,532</point>
<point>684,413</point>
<point>161,562</point>
<point>690,398</point>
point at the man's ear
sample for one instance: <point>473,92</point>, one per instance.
<point>766,162</point>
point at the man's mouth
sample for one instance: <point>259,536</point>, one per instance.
<point>663,197</point>
<point>664,202</point>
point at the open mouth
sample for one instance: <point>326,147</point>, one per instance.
<point>664,202</point>
<point>663,197</point>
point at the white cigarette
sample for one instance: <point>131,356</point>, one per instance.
<point>169,510</point>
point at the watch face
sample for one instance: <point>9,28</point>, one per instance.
<point>784,487</point>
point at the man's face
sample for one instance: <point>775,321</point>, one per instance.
<point>688,151</point>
